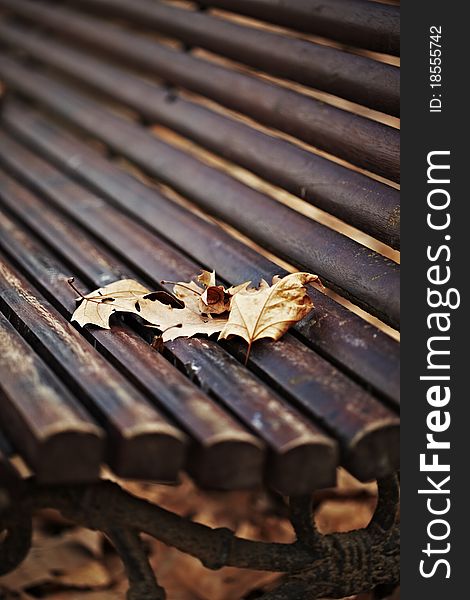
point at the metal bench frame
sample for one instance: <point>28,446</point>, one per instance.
<point>315,565</point>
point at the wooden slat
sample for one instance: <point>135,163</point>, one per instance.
<point>356,78</point>
<point>223,454</point>
<point>364,351</point>
<point>363,202</point>
<point>136,431</point>
<point>322,390</point>
<point>48,426</point>
<point>357,272</point>
<point>361,141</point>
<point>301,458</point>
<point>357,22</point>
<point>224,460</point>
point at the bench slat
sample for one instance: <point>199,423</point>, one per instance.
<point>363,350</point>
<point>323,388</point>
<point>223,462</point>
<point>355,271</point>
<point>361,141</point>
<point>220,457</point>
<point>356,78</point>
<point>48,426</point>
<point>135,429</point>
<point>301,457</point>
<point>369,205</point>
<point>357,22</point>
<point>223,454</point>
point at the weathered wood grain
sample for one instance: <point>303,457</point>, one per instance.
<point>298,395</point>
<point>361,141</point>
<point>301,454</point>
<point>48,426</point>
<point>136,431</point>
<point>352,414</point>
<point>222,454</point>
<point>357,78</point>
<point>364,351</point>
<point>365,277</point>
<point>369,205</point>
<point>373,26</point>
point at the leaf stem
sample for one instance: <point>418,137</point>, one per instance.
<point>70,281</point>
<point>248,350</point>
<point>187,287</point>
<point>95,299</point>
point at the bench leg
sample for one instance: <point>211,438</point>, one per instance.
<point>315,565</point>
<point>142,581</point>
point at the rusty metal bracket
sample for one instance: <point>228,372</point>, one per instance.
<point>315,565</point>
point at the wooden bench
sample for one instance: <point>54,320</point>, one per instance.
<point>150,140</point>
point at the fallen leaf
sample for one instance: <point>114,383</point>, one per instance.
<point>85,595</point>
<point>207,298</point>
<point>215,300</point>
<point>269,311</point>
<point>250,313</point>
<point>90,576</point>
<point>344,515</point>
<point>241,288</point>
<point>189,293</point>
<point>179,322</point>
<point>63,561</point>
<point>130,296</point>
<point>97,307</point>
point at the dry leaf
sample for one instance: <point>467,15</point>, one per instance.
<point>97,307</point>
<point>61,560</point>
<point>190,293</point>
<point>215,300</point>
<point>130,296</point>
<point>344,515</point>
<point>179,322</point>
<point>207,298</point>
<point>240,288</point>
<point>269,311</point>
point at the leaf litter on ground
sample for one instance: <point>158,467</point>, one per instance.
<point>63,563</point>
<point>203,308</point>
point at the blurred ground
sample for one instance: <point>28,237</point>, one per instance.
<point>68,563</point>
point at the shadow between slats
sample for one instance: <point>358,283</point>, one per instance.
<point>365,352</point>
<point>137,248</point>
<point>227,460</point>
<point>356,272</point>
<point>135,429</point>
<point>363,142</point>
<point>371,206</point>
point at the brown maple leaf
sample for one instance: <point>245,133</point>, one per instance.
<point>179,322</point>
<point>250,313</point>
<point>269,311</point>
<point>97,307</point>
<point>130,296</point>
